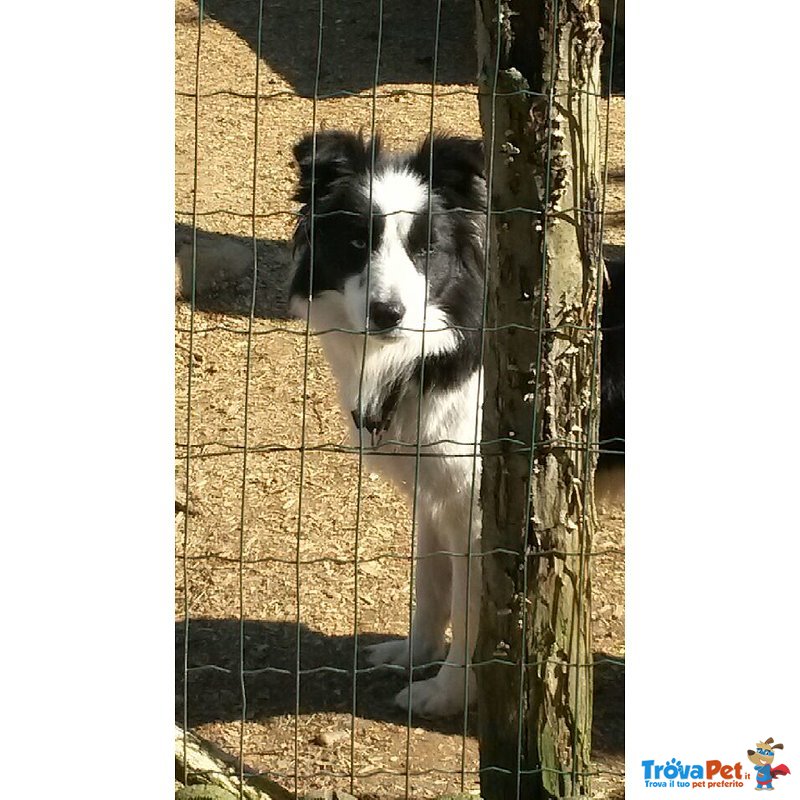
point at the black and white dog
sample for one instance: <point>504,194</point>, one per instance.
<point>395,276</point>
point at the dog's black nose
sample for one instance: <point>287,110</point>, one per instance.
<point>383,316</point>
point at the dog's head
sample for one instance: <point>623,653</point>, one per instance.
<point>764,752</point>
<point>381,236</point>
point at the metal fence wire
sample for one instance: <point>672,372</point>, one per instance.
<point>288,703</point>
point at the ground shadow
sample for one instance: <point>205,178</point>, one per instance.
<point>213,684</point>
<point>351,30</point>
<point>223,273</point>
<point>613,40</point>
<point>350,34</point>
<point>213,679</point>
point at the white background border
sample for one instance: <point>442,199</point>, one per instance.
<point>713,280</point>
<point>87,398</point>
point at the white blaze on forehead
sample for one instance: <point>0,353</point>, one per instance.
<point>399,196</point>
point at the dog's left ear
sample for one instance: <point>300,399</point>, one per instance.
<point>457,161</point>
<point>328,157</point>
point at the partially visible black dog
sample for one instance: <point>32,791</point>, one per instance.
<point>612,362</point>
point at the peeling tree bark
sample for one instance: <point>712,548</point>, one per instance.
<point>541,132</point>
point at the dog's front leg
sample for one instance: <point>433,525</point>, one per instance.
<point>432,591</point>
<point>454,684</point>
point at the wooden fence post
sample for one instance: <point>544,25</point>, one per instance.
<point>539,86</point>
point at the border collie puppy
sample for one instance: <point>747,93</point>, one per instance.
<point>395,276</point>
<point>393,268</point>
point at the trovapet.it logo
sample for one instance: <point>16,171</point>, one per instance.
<point>717,774</point>
<point>674,774</point>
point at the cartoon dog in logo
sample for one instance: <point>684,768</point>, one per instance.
<point>762,757</point>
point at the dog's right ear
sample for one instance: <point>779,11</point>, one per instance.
<point>334,155</point>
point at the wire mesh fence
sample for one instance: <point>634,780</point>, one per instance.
<point>294,553</point>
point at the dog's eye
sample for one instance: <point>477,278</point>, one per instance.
<point>423,252</point>
<point>359,244</point>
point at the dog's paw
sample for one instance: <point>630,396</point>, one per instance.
<point>397,653</point>
<point>441,696</point>
<point>394,652</point>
